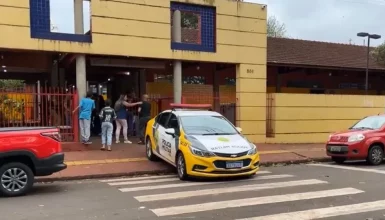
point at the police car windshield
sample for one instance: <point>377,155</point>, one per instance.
<point>207,125</point>
<point>371,122</point>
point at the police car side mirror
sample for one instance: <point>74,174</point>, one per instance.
<point>239,129</point>
<point>170,131</point>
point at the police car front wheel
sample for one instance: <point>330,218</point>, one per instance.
<point>149,153</point>
<point>181,166</point>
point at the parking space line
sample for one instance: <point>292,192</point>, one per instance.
<point>326,212</point>
<point>349,168</point>
<point>242,188</point>
<point>178,210</point>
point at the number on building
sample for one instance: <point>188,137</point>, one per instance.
<point>250,71</point>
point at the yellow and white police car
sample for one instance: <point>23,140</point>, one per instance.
<point>200,143</point>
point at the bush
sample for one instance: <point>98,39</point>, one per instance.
<point>379,53</point>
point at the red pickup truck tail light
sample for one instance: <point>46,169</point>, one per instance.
<point>54,135</point>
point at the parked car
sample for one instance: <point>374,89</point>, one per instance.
<point>200,143</point>
<point>26,152</point>
<point>364,140</point>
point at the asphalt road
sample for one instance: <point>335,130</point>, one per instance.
<point>296,192</point>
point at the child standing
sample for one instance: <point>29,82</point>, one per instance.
<point>107,116</point>
<point>87,105</point>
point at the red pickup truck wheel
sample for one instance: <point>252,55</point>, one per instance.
<point>16,179</point>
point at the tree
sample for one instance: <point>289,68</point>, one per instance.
<point>275,28</point>
<point>379,53</point>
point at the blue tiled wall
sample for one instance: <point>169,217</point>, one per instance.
<point>41,25</point>
<point>208,27</point>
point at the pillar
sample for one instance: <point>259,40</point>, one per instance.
<point>251,101</point>
<point>177,37</point>
<point>81,80</point>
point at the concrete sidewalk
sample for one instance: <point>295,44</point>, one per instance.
<point>86,162</point>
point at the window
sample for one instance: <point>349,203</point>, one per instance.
<point>173,123</point>
<point>163,118</point>
<point>163,77</point>
<point>194,80</point>
<point>207,125</point>
<point>54,20</point>
<point>197,27</point>
<point>372,122</point>
<point>230,81</point>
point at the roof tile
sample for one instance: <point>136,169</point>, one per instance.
<point>315,53</point>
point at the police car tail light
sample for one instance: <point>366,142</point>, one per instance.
<point>201,153</point>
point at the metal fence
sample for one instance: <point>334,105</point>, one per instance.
<point>40,107</point>
<point>44,106</point>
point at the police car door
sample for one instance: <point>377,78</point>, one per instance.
<point>173,140</point>
<point>163,146</point>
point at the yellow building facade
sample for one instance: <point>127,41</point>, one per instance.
<point>138,28</point>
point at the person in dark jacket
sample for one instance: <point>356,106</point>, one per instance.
<point>144,116</point>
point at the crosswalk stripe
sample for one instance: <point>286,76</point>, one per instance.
<point>349,168</point>
<point>242,188</point>
<point>326,212</point>
<point>137,178</point>
<point>166,186</point>
<point>176,210</point>
<point>157,177</point>
<point>143,181</point>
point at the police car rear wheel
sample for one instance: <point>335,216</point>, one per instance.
<point>181,167</point>
<point>149,153</point>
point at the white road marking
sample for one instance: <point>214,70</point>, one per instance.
<point>137,178</point>
<point>242,188</point>
<point>325,212</point>
<point>349,168</point>
<point>177,210</point>
<point>184,184</point>
<point>156,177</point>
<point>161,180</point>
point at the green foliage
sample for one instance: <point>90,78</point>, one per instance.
<point>275,28</point>
<point>379,53</point>
<point>189,20</point>
<point>10,109</point>
<point>11,84</point>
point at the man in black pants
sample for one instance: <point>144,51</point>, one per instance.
<point>144,117</point>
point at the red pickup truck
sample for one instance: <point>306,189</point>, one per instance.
<point>26,152</point>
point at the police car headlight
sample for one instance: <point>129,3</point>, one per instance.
<point>253,150</point>
<point>201,153</point>
<point>356,138</point>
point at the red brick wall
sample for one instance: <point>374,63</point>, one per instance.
<point>195,93</point>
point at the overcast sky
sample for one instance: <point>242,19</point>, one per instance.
<point>320,20</point>
<point>329,20</point>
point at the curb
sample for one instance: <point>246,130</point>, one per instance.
<point>301,161</point>
<point>104,176</point>
<point>168,171</point>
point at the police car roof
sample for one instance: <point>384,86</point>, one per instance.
<point>186,112</point>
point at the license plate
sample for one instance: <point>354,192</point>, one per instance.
<point>335,149</point>
<point>232,165</point>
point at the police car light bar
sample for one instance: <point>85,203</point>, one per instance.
<point>190,106</point>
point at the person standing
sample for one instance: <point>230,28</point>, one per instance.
<point>107,116</point>
<point>144,116</point>
<point>86,106</point>
<point>121,120</point>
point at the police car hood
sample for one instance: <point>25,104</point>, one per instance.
<point>228,144</point>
